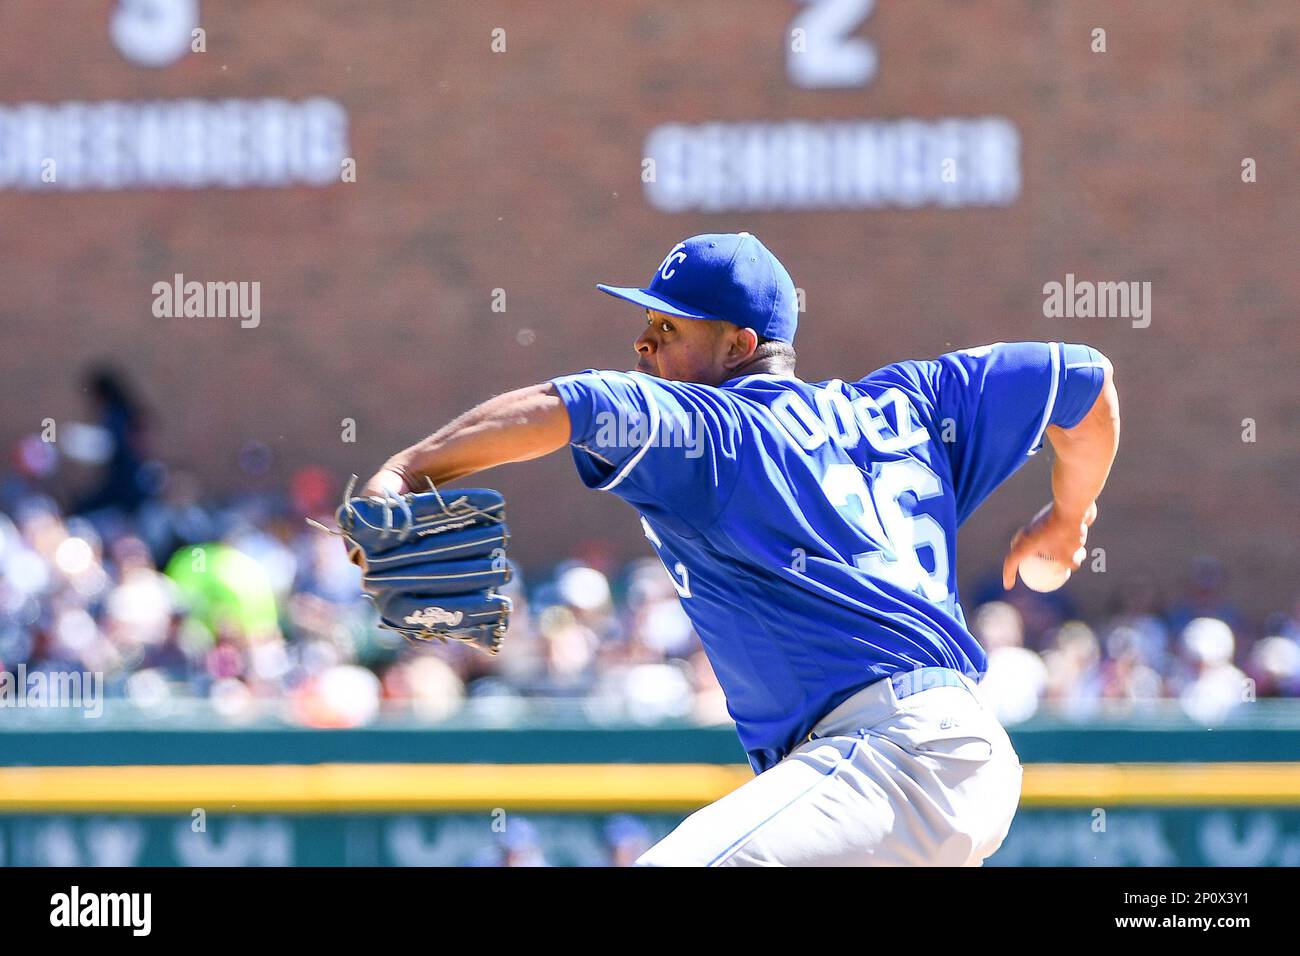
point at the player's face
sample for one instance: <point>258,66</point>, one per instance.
<point>680,350</point>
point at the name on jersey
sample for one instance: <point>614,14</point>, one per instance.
<point>889,424</point>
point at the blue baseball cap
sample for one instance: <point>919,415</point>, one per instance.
<point>727,276</point>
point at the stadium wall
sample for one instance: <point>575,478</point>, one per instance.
<point>515,179</point>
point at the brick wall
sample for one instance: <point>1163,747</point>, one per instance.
<point>520,171</point>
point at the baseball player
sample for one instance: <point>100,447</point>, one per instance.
<point>810,530</point>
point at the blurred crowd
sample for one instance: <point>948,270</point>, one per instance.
<point>248,607</point>
<point>174,598</point>
<point>1196,648</point>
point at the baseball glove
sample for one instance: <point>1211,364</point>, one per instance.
<point>430,564</point>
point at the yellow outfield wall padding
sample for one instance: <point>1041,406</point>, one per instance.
<point>669,788</point>
<point>367,787</point>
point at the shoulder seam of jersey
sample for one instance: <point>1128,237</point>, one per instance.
<point>1054,349</point>
<point>745,378</point>
<point>654,431</point>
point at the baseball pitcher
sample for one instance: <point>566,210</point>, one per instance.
<point>810,530</point>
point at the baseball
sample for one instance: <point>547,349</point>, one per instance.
<point>1042,573</point>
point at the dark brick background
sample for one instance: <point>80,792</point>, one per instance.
<point>521,171</point>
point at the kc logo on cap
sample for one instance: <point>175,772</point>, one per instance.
<point>678,254</point>
<point>728,277</point>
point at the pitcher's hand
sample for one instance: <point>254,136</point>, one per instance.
<point>1051,534</point>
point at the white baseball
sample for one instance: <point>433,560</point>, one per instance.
<point>1041,573</point>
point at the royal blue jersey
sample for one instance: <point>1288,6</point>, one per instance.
<point>810,529</point>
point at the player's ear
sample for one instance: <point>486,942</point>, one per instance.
<point>741,343</point>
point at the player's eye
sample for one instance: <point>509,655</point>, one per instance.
<point>665,327</point>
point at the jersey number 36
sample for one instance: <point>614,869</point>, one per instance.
<point>882,519</point>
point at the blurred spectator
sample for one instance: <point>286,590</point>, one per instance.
<point>570,648</point>
<point>1137,610</point>
<point>176,519</point>
<point>520,844</point>
<point>627,838</point>
<point>225,588</point>
<point>119,445</point>
<point>1204,595</point>
<point>1216,687</point>
<point>516,845</point>
<point>343,695</point>
<point>1017,677</point>
<point>1072,662</point>
<point>430,684</point>
<point>1286,624</point>
<point>1275,667</point>
<point>1127,680</point>
<point>646,693</point>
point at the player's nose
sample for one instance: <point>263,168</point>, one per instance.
<point>645,344</point>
